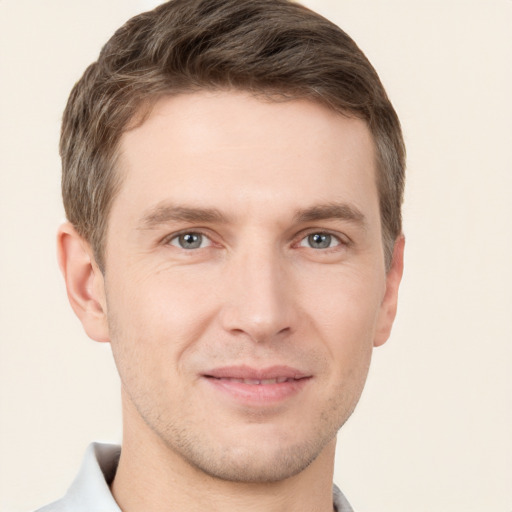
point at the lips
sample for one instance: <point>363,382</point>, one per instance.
<point>256,382</point>
<point>258,386</point>
<point>249,375</point>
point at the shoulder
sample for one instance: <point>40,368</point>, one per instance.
<point>341,503</point>
<point>56,506</point>
<point>90,491</point>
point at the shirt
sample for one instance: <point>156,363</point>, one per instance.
<point>90,491</point>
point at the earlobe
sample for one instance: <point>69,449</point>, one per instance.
<point>84,282</point>
<point>389,303</point>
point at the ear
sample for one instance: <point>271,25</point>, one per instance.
<point>84,282</point>
<point>389,302</point>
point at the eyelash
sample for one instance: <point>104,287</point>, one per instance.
<point>340,241</point>
<point>175,236</point>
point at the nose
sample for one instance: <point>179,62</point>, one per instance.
<point>259,297</point>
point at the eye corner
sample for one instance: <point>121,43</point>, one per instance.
<point>188,240</point>
<point>322,240</point>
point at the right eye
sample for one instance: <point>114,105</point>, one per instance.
<point>190,240</point>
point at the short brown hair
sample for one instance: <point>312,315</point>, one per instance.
<point>275,48</point>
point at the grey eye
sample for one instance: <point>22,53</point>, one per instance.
<point>188,240</point>
<point>319,240</point>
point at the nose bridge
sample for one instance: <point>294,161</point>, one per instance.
<point>258,298</point>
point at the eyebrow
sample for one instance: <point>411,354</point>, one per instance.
<point>341,211</point>
<point>164,213</point>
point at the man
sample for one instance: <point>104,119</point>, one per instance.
<point>233,177</point>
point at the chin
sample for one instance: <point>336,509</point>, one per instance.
<point>257,462</point>
<point>255,468</point>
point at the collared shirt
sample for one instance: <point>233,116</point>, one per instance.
<point>90,491</point>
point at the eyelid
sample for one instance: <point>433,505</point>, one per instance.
<point>343,239</point>
<point>166,240</point>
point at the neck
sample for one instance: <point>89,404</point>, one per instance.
<point>153,478</point>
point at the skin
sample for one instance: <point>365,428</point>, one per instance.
<point>284,267</point>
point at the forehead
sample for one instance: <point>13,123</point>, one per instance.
<point>247,154</point>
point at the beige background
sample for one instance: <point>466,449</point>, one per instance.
<point>433,431</point>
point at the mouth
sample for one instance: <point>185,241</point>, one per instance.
<point>257,386</point>
<point>254,382</point>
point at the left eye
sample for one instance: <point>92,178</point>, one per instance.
<point>190,240</point>
<point>320,241</point>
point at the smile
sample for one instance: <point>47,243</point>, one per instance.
<point>257,387</point>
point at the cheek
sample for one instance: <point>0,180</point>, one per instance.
<point>345,303</point>
<point>344,312</point>
<point>157,316</point>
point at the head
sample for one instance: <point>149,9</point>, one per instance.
<point>277,50</point>
<point>233,175</point>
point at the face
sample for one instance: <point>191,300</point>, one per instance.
<point>245,284</point>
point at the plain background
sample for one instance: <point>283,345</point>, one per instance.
<point>433,431</point>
